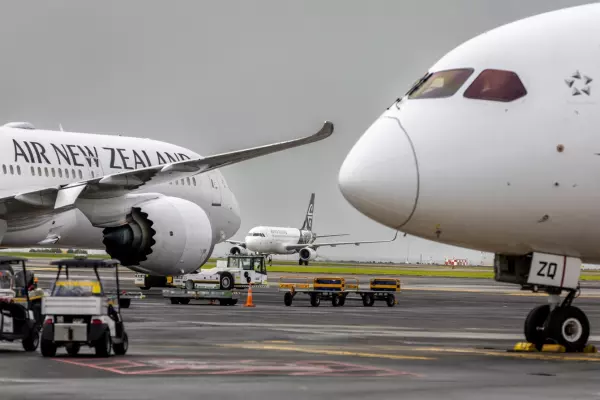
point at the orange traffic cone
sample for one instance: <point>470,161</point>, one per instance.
<point>249,298</point>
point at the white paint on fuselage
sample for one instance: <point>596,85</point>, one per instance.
<point>272,240</point>
<point>32,162</point>
<point>484,174</point>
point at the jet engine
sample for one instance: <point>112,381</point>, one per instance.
<point>238,250</point>
<point>165,236</point>
<point>307,254</point>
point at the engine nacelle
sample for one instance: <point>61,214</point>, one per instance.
<point>163,236</point>
<point>238,250</point>
<point>307,254</point>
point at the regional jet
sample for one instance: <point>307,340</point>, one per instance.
<point>270,240</point>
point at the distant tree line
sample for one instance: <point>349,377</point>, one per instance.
<point>58,251</point>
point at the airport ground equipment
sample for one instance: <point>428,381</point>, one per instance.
<point>235,272</point>
<point>81,312</point>
<point>205,292</point>
<point>339,289</point>
<point>17,317</point>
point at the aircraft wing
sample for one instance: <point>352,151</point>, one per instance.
<point>64,196</point>
<point>334,244</point>
<point>236,242</point>
<point>333,235</point>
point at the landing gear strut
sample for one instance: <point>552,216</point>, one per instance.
<point>558,323</point>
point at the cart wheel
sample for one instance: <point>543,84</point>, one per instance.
<point>287,299</point>
<point>335,300</point>
<point>390,300</point>
<point>184,301</point>
<point>121,348</point>
<point>48,348</point>
<point>174,300</point>
<point>31,342</point>
<point>103,345</point>
<point>368,300</point>
<point>315,300</point>
<point>73,349</point>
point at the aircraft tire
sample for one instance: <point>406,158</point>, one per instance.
<point>533,324</point>
<point>570,327</point>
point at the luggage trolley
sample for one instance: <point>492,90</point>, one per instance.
<point>337,290</point>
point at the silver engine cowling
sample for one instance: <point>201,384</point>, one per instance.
<point>164,236</point>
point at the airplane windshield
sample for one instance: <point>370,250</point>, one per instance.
<point>441,84</point>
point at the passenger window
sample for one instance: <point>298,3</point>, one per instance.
<point>74,174</point>
<point>12,170</point>
<point>46,171</point>
<point>53,173</point>
<point>4,169</point>
<point>67,173</point>
<point>188,182</point>
<point>59,172</point>
<point>194,180</point>
<point>80,175</point>
<point>18,170</point>
<point>496,85</point>
<point>32,171</point>
<point>40,171</point>
<point>441,84</point>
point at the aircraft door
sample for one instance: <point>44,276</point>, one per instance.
<point>92,165</point>
<point>215,190</point>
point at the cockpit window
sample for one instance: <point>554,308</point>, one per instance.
<point>496,85</point>
<point>440,84</point>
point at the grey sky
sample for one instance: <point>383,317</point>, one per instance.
<point>221,75</point>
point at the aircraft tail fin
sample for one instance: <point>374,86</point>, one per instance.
<point>308,220</point>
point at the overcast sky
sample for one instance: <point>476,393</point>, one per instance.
<point>222,75</point>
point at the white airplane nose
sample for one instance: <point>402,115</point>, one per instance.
<point>379,176</point>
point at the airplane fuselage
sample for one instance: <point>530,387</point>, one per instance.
<point>514,172</point>
<point>273,240</point>
<point>33,159</point>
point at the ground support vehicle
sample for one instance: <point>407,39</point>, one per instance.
<point>80,312</point>
<point>206,293</point>
<point>17,317</point>
<point>338,289</point>
<point>235,272</point>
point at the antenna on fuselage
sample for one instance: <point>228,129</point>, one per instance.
<point>61,128</point>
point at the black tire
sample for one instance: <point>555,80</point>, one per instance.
<point>174,300</point>
<point>390,300</point>
<point>103,345</point>
<point>335,300</point>
<point>73,349</point>
<point>342,300</point>
<point>37,313</point>
<point>184,301</point>
<point>31,342</point>
<point>226,281</point>
<point>570,327</point>
<point>288,299</point>
<point>48,348</point>
<point>534,324</point>
<point>300,262</point>
<point>121,348</point>
<point>315,300</point>
<point>368,300</point>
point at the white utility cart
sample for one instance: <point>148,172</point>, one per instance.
<point>80,312</point>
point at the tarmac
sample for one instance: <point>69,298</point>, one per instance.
<point>446,338</point>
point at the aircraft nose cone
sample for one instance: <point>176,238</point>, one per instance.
<point>379,176</point>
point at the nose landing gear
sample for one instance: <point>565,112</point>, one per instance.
<point>558,323</point>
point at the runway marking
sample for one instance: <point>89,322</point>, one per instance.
<point>166,366</point>
<point>250,346</point>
